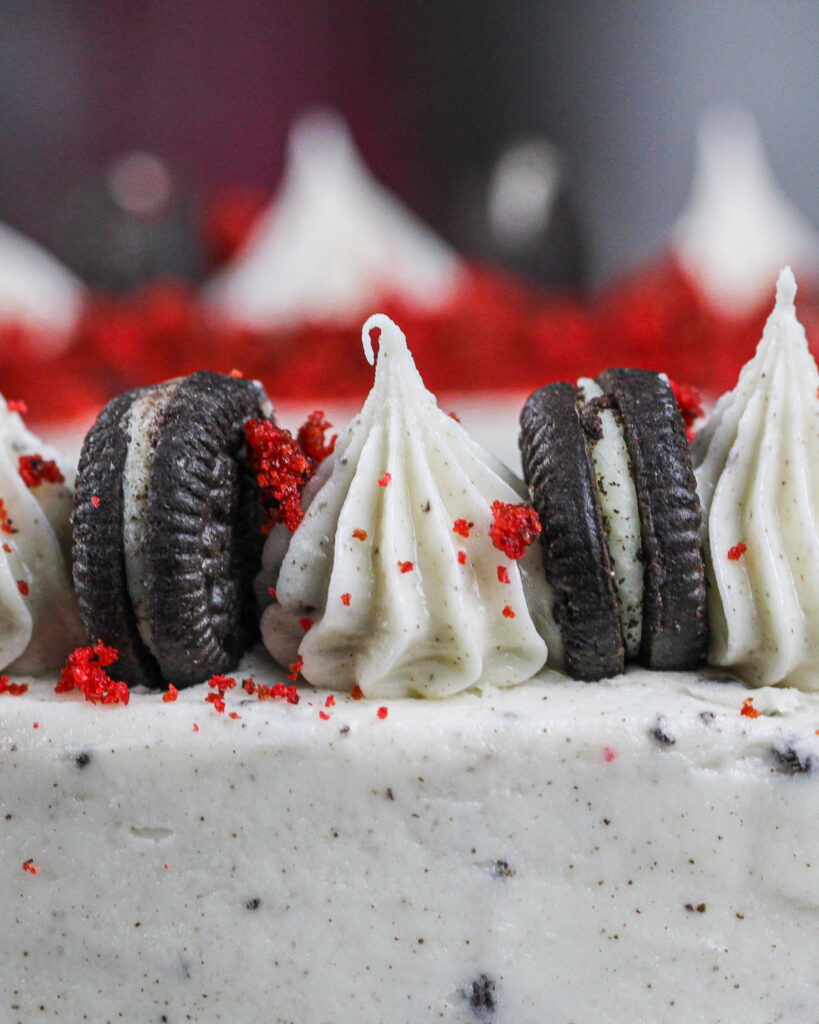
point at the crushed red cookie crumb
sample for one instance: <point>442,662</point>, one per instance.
<point>359,534</point>
<point>5,521</point>
<point>345,600</point>
<point>31,867</point>
<point>514,528</point>
<point>272,592</point>
<point>306,623</point>
<point>736,552</point>
<point>382,713</point>
<point>17,405</point>
<point>35,470</point>
<point>12,689</point>
<point>234,715</point>
<point>282,469</point>
<point>461,527</point>
<point>508,612</point>
<point>609,754</point>
<point>503,574</point>
<point>324,716</point>
<point>385,479</point>
<point>296,668</point>
<point>237,374</point>
<point>462,557</point>
<point>217,700</point>
<point>195,727</point>
<point>95,501</point>
<point>7,547</point>
<point>406,566</point>
<point>356,692</point>
<point>748,710</point>
<point>330,702</point>
<point>311,437</point>
<point>220,684</point>
<point>689,402</point>
<point>454,416</point>
<point>23,587</point>
<point>171,694</point>
<point>85,671</point>
<point>279,691</point>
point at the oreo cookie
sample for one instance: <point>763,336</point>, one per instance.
<point>167,529</point>
<point>608,467</point>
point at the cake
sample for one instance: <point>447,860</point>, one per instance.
<point>250,850</point>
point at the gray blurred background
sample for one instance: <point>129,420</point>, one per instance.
<point>433,93</point>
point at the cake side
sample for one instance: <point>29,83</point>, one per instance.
<point>627,850</point>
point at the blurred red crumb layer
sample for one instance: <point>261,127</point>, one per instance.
<point>496,334</point>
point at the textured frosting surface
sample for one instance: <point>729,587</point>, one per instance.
<point>634,850</point>
<point>375,563</point>
<point>757,468</point>
<point>39,622</point>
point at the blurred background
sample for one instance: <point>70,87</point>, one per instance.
<point>432,92</point>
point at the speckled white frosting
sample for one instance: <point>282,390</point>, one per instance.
<point>39,622</point>
<point>757,469</point>
<point>632,850</point>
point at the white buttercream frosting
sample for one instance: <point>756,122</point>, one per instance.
<point>739,228</point>
<point>757,468</point>
<point>402,474</point>
<point>34,286</point>
<point>39,622</point>
<point>332,242</point>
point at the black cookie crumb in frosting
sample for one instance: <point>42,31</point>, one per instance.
<point>192,613</point>
<point>558,469</point>
<point>558,429</point>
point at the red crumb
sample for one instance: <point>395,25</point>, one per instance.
<point>461,527</point>
<point>382,712</point>
<point>234,715</point>
<point>503,574</point>
<point>296,668</point>
<point>748,709</point>
<point>23,587</point>
<point>222,683</point>
<point>279,691</point>
<point>17,405</point>
<point>406,566</point>
<point>171,694</point>
<point>217,700</point>
<point>272,592</point>
<point>35,725</point>
<point>35,470</point>
<point>689,402</point>
<point>282,469</point>
<point>345,600</point>
<point>514,528</point>
<point>31,867</point>
<point>195,727</point>
<point>7,547</point>
<point>736,552</point>
<point>324,716</point>
<point>359,534</point>
<point>236,373</point>
<point>454,416</point>
<point>95,501</point>
<point>12,689</point>
<point>462,557</point>
<point>311,438</point>
<point>330,702</point>
<point>385,479</point>
<point>609,754</point>
<point>249,686</point>
<point>508,611</point>
<point>5,522</point>
<point>356,692</point>
<point>85,671</point>
<point>306,623</point>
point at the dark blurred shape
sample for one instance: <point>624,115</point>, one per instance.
<point>132,227</point>
<point>520,215</point>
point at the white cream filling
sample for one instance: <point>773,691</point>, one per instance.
<point>621,518</point>
<point>144,422</point>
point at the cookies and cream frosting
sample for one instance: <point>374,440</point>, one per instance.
<point>757,468</point>
<point>392,581</point>
<point>39,623</point>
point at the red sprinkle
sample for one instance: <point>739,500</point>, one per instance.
<point>171,695</point>
<point>514,528</point>
<point>508,612</point>
<point>748,709</point>
<point>31,867</point>
<point>296,668</point>
<point>345,600</point>
<point>23,587</point>
<point>461,527</point>
<point>311,437</point>
<point>462,557</point>
<point>17,405</point>
<point>503,574</point>
<point>306,623</point>
<point>359,534</point>
<point>406,566</point>
<point>95,501</point>
<point>609,754</point>
<point>85,671</point>
<point>385,479</point>
<point>382,713</point>
<point>34,470</point>
<point>736,552</point>
<point>12,689</point>
<point>282,469</point>
<point>356,692</point>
